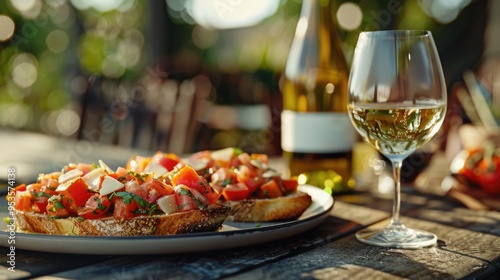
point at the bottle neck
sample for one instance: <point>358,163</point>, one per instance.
<point>320,28</point>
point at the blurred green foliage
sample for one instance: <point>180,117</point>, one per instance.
<point>244,64</point>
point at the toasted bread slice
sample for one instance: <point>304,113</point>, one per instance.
<point>209,219</point>
<point>287,207</point>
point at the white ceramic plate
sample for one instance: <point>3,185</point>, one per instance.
<point>231,235</point>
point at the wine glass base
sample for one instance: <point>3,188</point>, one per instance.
<point>397,237</point>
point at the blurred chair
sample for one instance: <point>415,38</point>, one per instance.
<point>156,113</point>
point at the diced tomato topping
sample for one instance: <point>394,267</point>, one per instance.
<point>243,173</point>
<point>290,184</point>
<point>21,187</point>
<point>121,172</point>
<point>124,210</point>
<point>270,189</point>
<point>184,198</point>
<point>200,200</point>
<point>56,208</point>
<point>254,183</point>
<point>74,194</point>
<point>23,201</point>
<point>212,197</point>
<point>137,163</point>
<point>188,177</point>
<point>202,155</point>
<point>238,191</point>
<point>126,203</point>
<point>156,189</point>
<point>95,207</point>
<point>244,158</point>
<point>135,188</point>
<point>40,195</point>
<point>260,157</point>
<point>169,161</point>
<point>222,177</point>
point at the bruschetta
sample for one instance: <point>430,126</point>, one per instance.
<point>248,185</point>
<point>86,199</point>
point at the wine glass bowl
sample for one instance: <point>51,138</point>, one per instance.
<point>397,103</point>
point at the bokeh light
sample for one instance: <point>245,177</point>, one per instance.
<point>203,38</point>
<point>56,54</point>
<point>349,16</point>
<point>14,115</point>
<point>57,41</point>
<point>102,6</point>
<point>28,8</point>
<point>230,14</point>
<point>7,27</point>
<point>24,70</point>
<point>443,11</point>
<point>67,122</point>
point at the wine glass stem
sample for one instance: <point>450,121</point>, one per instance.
<point>396,169</point>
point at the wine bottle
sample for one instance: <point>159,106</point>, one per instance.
<point>316,134</point>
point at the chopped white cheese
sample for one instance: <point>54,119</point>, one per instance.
<point>156,168</point>
<point>72,174</point>
<point>223,154</point>
<point>93,178</point>
<point>109,185</point>
<point>105,167</point>
<point>168,204</point>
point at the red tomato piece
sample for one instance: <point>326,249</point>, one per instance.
<point>238,191</point>
<point>157,189</point>
<point>188,177</point>
<point>21,187</point>
<point>212,197</point>
<point>184,198</point>
<point>169,161</point>
<point>270,189</point>
<point>22,201</point>
<point>260,157</point>
<point>200,200</point>
<point>254,183</point>
<point>222,177</point>
<point>244,158</point>
<point>489,177</point>
<point>135,188</point>
<point>244,173</point>
<point>75,194</point>
<point>290,185</point>
<point>56,208</point>
<point>95,207</point>
<point>124,210</point>
<point>40,195</point>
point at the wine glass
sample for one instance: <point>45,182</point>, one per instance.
<point>397,102</point>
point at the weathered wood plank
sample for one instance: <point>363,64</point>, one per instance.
<point>217,264</point>
<point>459,253</point>
<point>328,251</point>
<point>29,264</point>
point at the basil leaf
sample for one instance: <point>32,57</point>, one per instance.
<point>128,197</point>
<point>141,201</point>
<point>184,191</point>
<point>58,204</point>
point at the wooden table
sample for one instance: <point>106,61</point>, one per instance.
<point>468,245</point>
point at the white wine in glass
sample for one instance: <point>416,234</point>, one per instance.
<point>397,103</point>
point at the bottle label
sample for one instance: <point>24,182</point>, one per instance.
<point>316,132</point>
